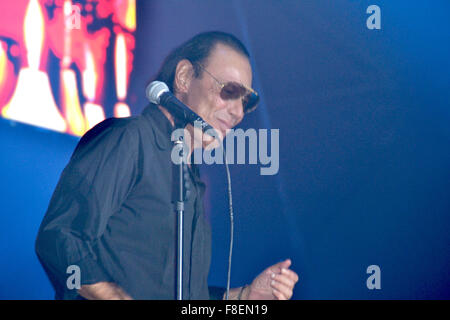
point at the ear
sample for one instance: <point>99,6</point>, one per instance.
<point>183,76</point>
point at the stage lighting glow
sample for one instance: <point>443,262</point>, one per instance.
<point>121,67</point>
<point>121,109</point>
<point>32,101</point>
<point>53,71</point>
<point>34,33</point>
<point>2,64</point>
<point>93,112</point>
<point>69,88</point>
<point>71,103</point>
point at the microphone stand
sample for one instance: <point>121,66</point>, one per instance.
<point>178,200</point>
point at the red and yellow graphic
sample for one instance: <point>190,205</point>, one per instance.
<point>80,40</point>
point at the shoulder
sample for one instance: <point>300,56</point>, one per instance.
<point>111,133</point>
<point>110,125</point>
<point>114,127</point>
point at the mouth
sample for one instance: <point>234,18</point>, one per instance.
<point>224,125</point>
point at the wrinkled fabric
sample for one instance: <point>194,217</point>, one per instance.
<point>112,214</point>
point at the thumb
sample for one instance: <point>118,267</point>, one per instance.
<point>276,268</point>
<point>286,263</point>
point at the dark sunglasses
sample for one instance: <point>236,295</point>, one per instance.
<point>234,90</point>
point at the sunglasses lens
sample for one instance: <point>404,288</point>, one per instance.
<point>234,90</point>
<point>249,101</point>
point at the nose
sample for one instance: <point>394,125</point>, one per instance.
<point>236,110</point>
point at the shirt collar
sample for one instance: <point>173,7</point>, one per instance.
<point>162,128</point>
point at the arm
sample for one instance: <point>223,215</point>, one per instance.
<point>103,291</point>
<point>91,188</point>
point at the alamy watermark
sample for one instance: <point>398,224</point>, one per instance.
<point>74,280</point>
<point>374,20</point>
<point>236,146</point>
<point>374,280</point>
<point>72,16</point>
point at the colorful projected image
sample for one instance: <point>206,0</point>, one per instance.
<point>58,58</point>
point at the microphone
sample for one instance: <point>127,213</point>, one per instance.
<point>158,93</point>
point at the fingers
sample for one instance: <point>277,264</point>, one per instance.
<point>283,282</point>
<point>287,277</point>
<point>208,140</point>
<point>281,291</point>
<point>212,141</point>
<point>290,274</point>
<point>277,279</point>
<point>279,295</point>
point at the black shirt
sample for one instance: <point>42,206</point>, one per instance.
<point>112,214</point>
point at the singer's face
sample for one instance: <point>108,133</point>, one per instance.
<point>203,94</point>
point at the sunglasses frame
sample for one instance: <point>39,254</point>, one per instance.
<point>253,94</point>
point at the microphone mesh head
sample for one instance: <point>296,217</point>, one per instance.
<point>154,90</point>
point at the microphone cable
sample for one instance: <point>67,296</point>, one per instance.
<point>230,204</point>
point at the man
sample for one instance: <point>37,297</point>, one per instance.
<point>112,214</point>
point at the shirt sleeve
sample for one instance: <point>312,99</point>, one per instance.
<point>92,187</point>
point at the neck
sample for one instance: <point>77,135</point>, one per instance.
<point>168,115</point>
<point>186,129</point>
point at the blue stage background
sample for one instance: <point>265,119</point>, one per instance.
<point>364,149</point>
